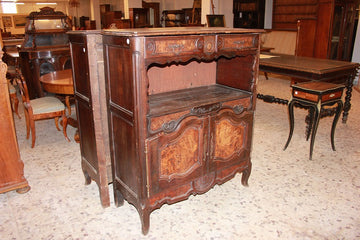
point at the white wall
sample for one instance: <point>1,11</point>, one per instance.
<point>268,14</point>
<point>356,52</point>
<point>225,7</point>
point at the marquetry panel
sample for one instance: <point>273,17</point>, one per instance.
<point>173,46</point>
<point>231,43</point>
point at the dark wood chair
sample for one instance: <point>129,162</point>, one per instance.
<point>41,108</point>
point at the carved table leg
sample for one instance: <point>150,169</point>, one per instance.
<point>291,119</point>
<point>314,128</point>
<point>347,104</point>
<point>336,118</point>
<point>309,123</point>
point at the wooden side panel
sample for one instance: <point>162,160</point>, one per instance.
<point>120,77</point>
<point>84,106</point>
<point>81,73</point>
<point>122,128</point>
<point>89,86</point>
<point>235,72</point>
<point>124,153</point>
<point>87,136</point>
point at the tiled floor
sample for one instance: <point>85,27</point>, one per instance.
<point>289,197</point>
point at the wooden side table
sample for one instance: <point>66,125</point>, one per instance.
<point>314,95</point>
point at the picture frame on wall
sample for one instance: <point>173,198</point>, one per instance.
<point>215,20</point>
<point>19,21</point>
<point>7,21</point>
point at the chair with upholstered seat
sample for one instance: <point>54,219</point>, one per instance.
<point>41,108</point>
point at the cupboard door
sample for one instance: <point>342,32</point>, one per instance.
<point>230,139</point>
<point>178,157</point>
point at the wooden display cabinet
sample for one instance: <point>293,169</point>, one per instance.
<point>326,28</point>
<point>181,106</point>
<point>90,99</point>
<point>45,48</point>
<point>11,165</point>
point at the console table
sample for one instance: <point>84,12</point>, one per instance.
<point>313,69</point>
<point>181,105</point>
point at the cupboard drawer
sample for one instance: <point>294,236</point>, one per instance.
<point>169,122</point>
<point>171,46</point>
<point>163,123</point>
<point>233,43</point>
<point>239,105</point>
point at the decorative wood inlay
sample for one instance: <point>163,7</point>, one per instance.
<point>235,43</point>
<point>173,46</point>
<point>210,46</point>
<point>228,139</point>
<point>180,155</point>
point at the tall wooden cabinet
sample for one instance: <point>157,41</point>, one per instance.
<point>336,40</point>
<point>90,99</point>
<point>326,28</point>
<point>11,165</point>
<point>181,105</point>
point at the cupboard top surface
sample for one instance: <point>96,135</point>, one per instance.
<point>187,98</point>
<point>177,31</point>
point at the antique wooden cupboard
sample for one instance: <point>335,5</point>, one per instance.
<point>90,99</point>
<point>11,165</point>
<point>181,105</point>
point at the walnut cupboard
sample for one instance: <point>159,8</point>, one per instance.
<point>181,104</point>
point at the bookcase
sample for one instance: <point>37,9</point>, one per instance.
<point>330,33</point>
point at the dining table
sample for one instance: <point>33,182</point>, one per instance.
<point>61,82</point>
